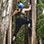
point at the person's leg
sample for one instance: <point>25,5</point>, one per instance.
<point>21,22</point>
<point>29,23</point>
<point>16,31</point>
<point>25,21</point>
<point>18,25</point>
<point>30,27</point>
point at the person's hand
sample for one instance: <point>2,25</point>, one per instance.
<point>28,3</point>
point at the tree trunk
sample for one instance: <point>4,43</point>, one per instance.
<point>1,27</point>
<point>9,11</point>
<point>4,20</point>
<point>34,22</point>
<point>40,39</point>
<point>14,4</point>
<point>10,32</point>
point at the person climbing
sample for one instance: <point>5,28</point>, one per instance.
<point>20,19</point>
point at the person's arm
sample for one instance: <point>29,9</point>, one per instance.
<point>27,9</point>
<point>14,12</point>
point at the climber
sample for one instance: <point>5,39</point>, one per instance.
<point>20,19</point>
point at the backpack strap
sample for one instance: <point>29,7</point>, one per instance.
<point>19,10</point>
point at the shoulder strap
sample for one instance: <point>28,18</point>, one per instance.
<point>19,10</point>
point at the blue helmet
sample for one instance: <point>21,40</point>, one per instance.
<point>20,5</point>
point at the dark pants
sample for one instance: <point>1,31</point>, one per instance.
<point>20,22</point>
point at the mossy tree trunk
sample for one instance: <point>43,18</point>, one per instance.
<point>4,19</point>
<point>9,12</point>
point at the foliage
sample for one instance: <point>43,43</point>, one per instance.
<point>40,20</point>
